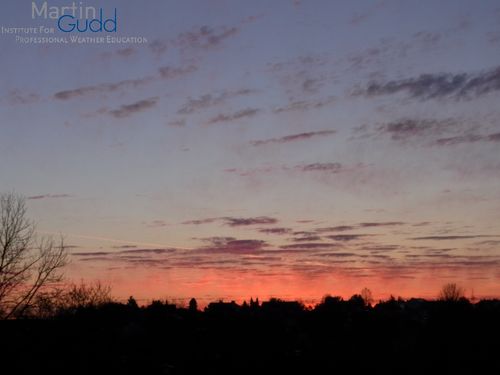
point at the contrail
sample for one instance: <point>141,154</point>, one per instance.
<point>146,244</point>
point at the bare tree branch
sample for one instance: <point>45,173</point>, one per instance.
<point>451,292</point>
<point>27,264</point>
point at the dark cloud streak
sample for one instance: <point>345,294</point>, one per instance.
<point>469,138</point>
<point>49,196</point>
<point>165,72</point>
<point>321,167</point>
<point>247,112</point>
<point>446,238</point>
<point>235,221</point>
<point>127,110</point>
<point>461,86</point>
<point>294,137</point>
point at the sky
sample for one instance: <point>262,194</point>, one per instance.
<point>286,149</point>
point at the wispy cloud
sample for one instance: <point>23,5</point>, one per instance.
<point>322,167</point>
<point>255,171</point>
<point>49,196</point>
<point>130,109</point>
<point>468,138</point>
<point>409,128</point>
<point>235,221</point>
<point>299,64</point>
<point>171,72</point>
<point>148,251</point>
<point>90,253</point>
<point>238,221</point>
<point>310,245</point>
<point>339,228</point>
<point>493,243</point>
<point>335,255</point>
<point>17,96</point>
<point>294,137</point>
<point>433,132</point>
<point>232,245</point>
<point>312,85</point>
<point>244,113</point>
<point>360,17</point>
<point>164,72</point>
<point>177,123</point>
<point>209,100</point>
<point>200,221</point>
<point>156,223</point>
<point>104,88</point>
<point>217,240</point>
<point>198,38</point>
<point>380,248</point>
<point>307,238</point>
<point>280,231</point>
<point>347,237</point>
<point>304,105</point>
<point>439,85</point>
<point>447,238</point>
<point>388,50</point>
<point>381,224</point>
<point>121,53</point>
<point>205,101</point>
<point>204,37</point>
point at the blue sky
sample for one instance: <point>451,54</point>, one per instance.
<point>263,139</point>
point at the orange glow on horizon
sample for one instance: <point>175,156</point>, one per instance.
<point>210,285</point>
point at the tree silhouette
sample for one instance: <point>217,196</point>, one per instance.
<point>367,296</point>
<point>451,292</point>
<point>132,303</point>
<point>28,265</point>
<point>86,295</point>
<point>193,305</point>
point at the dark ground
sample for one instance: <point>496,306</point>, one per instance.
<point>403,337</point>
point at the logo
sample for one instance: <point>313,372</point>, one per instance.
<point>77,18</point>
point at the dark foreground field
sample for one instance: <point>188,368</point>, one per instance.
<point>343,337</point>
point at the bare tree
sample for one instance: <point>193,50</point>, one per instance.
<point>86,295</point>
<point>71,297</point>
<point>28,264</point>
<point>451,292</point>
<point>367,296</point>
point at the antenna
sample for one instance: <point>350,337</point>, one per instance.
<point>472,296</point>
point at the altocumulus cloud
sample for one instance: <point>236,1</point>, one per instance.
<point>439,85</point>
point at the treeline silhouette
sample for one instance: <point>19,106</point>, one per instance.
<point>335,336</point>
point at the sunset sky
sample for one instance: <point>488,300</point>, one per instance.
<point>263,148</point>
